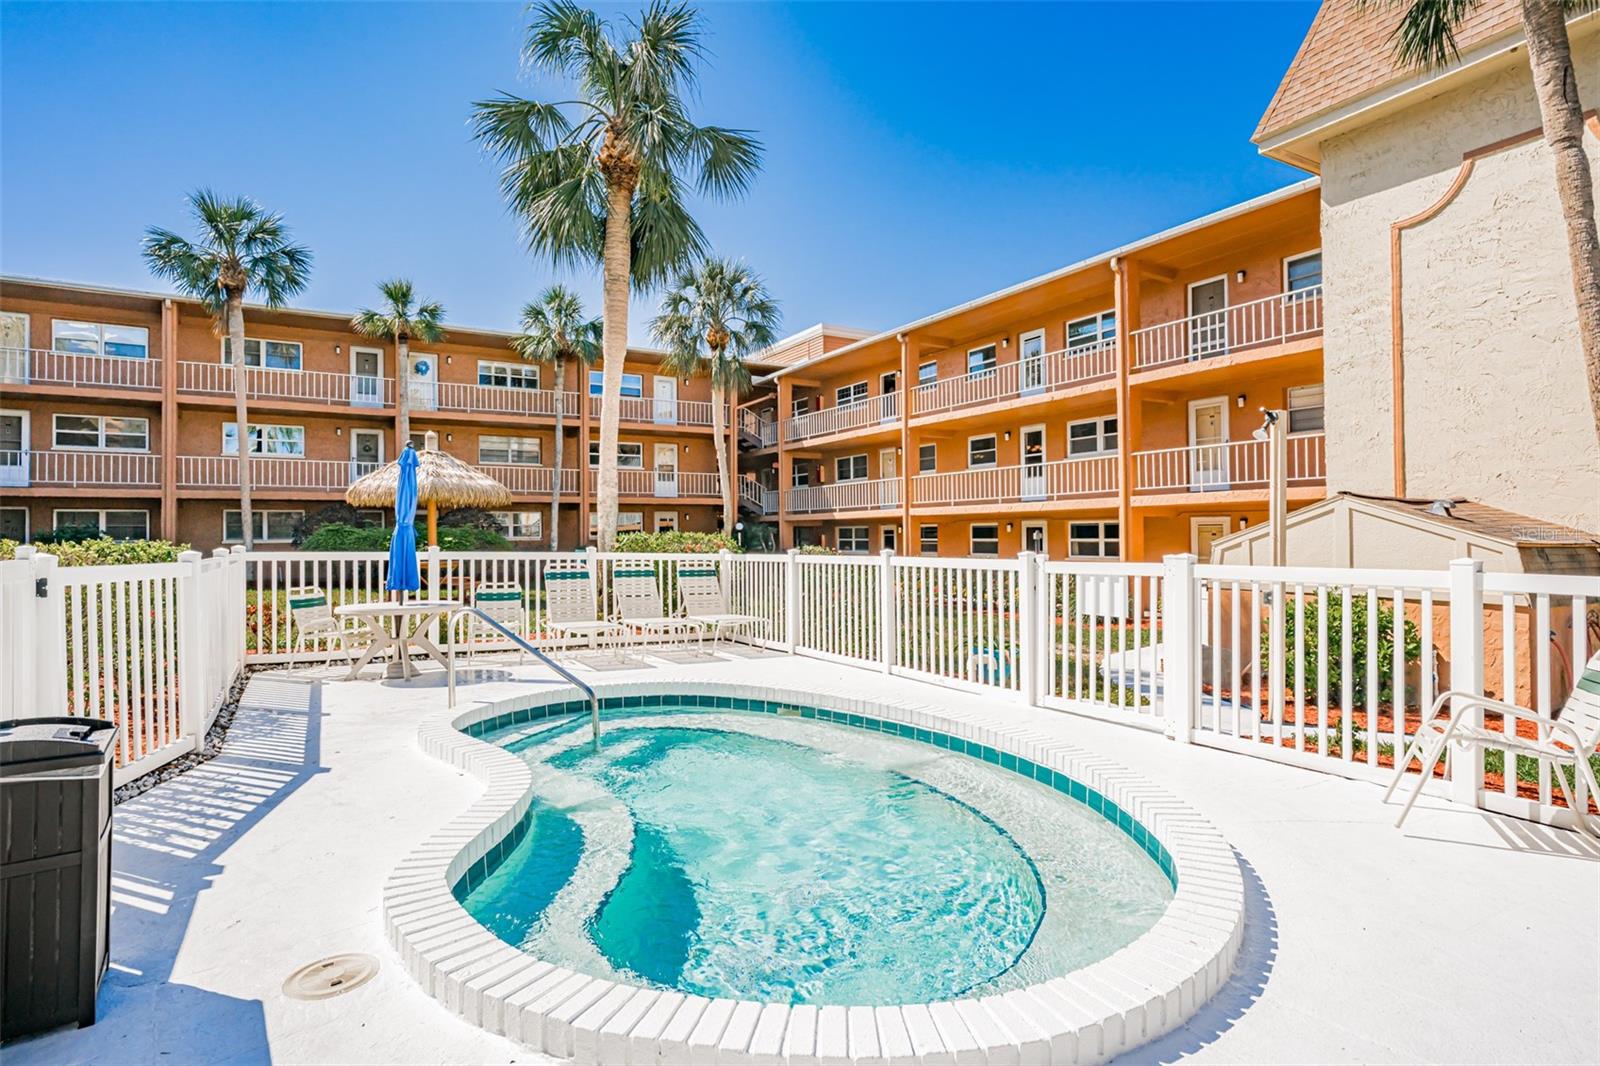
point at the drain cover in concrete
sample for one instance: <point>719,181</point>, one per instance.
<point>329,977</point>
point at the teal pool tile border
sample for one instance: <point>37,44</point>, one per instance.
<point>1067,786</point>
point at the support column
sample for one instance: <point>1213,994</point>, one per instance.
<point>1125,286</point>
<point>907,541</point>
<point>581,536</point>
<point>785,466</point>
<point>169,420</point>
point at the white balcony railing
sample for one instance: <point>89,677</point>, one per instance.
<point>525,480</point>
<point>875,410</point>
<point>1040,375</point>
<point>1240,464</point>
<point>758,426</point>
<point>41,366</point>
<point>658,412</point>
<point>879,494</point>
<point>302,386</point>
<point>67,469</point>
<point>662,484</point>
<point>1059,480</point>
<point>491,399</point>
<point>1272,320</point>
<point>760,498</point>
<point>270,472</point>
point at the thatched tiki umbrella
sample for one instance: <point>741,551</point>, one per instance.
<point>443,483</point>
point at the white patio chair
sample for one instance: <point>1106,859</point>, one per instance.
<point>571,607</point>
<point>1572,736</point>
<point>700,591</point>
<point>638,605</point>
<point>312,618</point>
<point>506,603</point>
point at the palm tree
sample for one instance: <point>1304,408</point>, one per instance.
<point>716,315</point>
<point>1425,38</point>
<point>601,179</point>
<point>399,320</point>
<point>555,330</point>
<point>238,248</point>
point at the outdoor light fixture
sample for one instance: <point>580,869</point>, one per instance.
<point>1005,342</point>
<point>338,431</point>
<point>1008,527</point>
<point>1241,401</point>
<point>1264,432</point>
<point>1239,277</point>
<point>449,437</point>
<point>1008,434</point>
<point>337,349</point>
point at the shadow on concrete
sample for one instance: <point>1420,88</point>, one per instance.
<point>1251,971</point>
<point>167,846</point>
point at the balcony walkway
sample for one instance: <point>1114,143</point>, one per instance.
<point>271,856</point>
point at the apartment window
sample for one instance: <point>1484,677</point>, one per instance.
<point>266,527</point>
<point>981,451</point>
<point>630,454</point>
<point>266,440</point>
<point>100,338</point>
<point>928,540</point>
<point>1094,540</point>
<point>508,375</point>
<point>981,360</point>
<point>418,439</point>
<point>850,394</point>
<point>627,522</point>
<point>632,384</point>
<point>927,373</point>
<point>274,355</point>
<point>523,451</point>
<point>927,458</point>
<point>1092,436</point>
<point>800,475</point>
<point>985,539</point>
<point>1302,272</point>
<point>1090,330</point>
<point>521,525</point>
<point>801,405</point>
<point>854,539</point>
<point>102,432</point>
<point>890,382</point>
<point>1305,409</point>
<point>890,539</point>
<point>850,468</point>
<point>118,525</point>
<point>374,516</point>
<point>666,521</point>
<point>14,524</point>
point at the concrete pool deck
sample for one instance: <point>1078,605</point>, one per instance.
<point>1466,937</point>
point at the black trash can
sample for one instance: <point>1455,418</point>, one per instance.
<point>55,870</point>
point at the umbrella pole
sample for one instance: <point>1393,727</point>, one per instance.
<point>433,524</point>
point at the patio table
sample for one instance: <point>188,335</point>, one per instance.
<point>376,618</point>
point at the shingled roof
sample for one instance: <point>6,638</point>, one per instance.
<point>1349,52</point>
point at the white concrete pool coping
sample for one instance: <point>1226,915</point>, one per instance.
<point>1135,995</point>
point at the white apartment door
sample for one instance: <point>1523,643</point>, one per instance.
<point>13,348</point>
<point>1033,538</point>
<point>424,386</point>
<point>13,448</point>
<point>1208,317</point>
<point>1203,532</point>
<point>888,478</point>
<point>666,400</point>
<point>1208,448</point>
<point>366,451</point>
<point>1033,487</point>
<point>1030,354</point>
<point>666,465</point>
<point>366,377</point>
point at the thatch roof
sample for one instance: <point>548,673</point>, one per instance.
<point>442,479</point>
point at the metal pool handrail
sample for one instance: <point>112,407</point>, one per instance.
<point>594,701</point>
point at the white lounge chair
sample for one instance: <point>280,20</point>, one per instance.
<point>700,590</point>
<point>1569,738</point>
<point>571,607</point>
<point>638,601</point>
<point>312,619</point>
<point>506,603</point>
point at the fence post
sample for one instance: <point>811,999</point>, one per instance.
<point>237,584</point>
<point>191,649</point>
<point>1466,673</point>
<point>434,592</point>
<point>1027,664</point>
<point>791,600</point>
<point>886,625</point>
<point>1180,674</point>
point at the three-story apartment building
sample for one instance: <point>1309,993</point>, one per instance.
<point>116,411</point>
<point>1104,410</point>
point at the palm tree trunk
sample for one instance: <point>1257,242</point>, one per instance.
<point>614,349</point>
<point>241,413</point>
<point>561,434</point>
<point>402,400</point>
<point>719,435</point>
<point>1556,86</point>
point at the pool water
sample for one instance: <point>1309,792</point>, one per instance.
<point>788,860</point>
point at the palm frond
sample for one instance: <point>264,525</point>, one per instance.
<point>1425,36</point>
<point>238,248</point>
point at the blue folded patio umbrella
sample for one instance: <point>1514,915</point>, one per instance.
<point>403,572</point>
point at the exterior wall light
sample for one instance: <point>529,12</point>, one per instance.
<point>1239,277</point>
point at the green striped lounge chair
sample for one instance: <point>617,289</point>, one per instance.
<point>637,597</point>
<point>1568,738</point>
<point>313,621</point>
<point>700,590</point>
<point>571,607</point>
<point>506,604</point>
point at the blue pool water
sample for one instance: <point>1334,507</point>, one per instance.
<point>788,860</point>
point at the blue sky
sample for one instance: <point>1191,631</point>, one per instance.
<point>917,155</point>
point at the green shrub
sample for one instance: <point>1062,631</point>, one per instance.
<point>68,535</point>
<point>1313,655</point>
<point>342,513</point>
<point>465,539</point>
<point>470,518</point>
<point>676,542</point>
<point>341,537</point>
<point>102,551</point>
